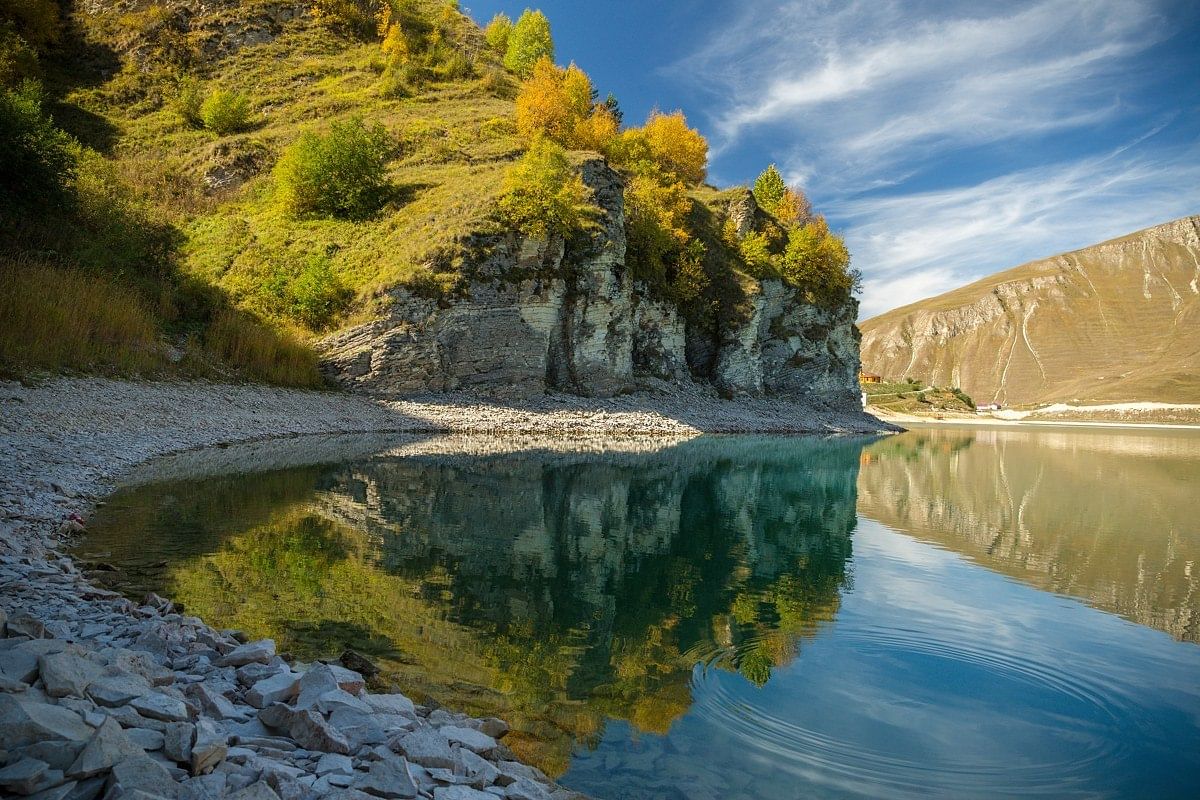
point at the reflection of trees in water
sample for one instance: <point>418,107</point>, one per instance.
<point>553,590</point>
<point>1107,517</point>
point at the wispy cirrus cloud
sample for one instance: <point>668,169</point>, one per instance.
<point>948,140</point>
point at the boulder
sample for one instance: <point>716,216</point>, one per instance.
<point>214,703</point>
<point>28,721</point>
<point>68,674</point>
<point>391,704</point>
<point>147,739</point>
<point>319,680</point>
<point>113,691</point>
<point>310,730</point>
<point>253,652</point>
<point>23,623</point>
<point>335,763</point>
<point>353,660</point>
<point>278,688</point>
<point>469,738</point>
<point>481,771</point>
<point>20,663</point>
<point>359,727</point>
<point>177,741</point>
<point>23,776</point>
<point>209,748</point>
<point>425,746</point>
<point>389,779</point>
<point>159,706</point>
<point>141,773</point>
<point>107,747</point>
<point>525,789</point>
<point>461,793</point>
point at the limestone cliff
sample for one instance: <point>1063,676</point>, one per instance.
<point>1114,322</point>
<point>535,316</point>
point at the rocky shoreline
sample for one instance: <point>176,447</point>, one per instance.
<point>104,697</point>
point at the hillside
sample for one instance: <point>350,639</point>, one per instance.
<point>261,188</point>
<point>1114,322</point>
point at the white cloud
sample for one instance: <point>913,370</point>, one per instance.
<point>862,100</point>
<point>920,244</point>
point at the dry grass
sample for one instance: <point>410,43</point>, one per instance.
<point>53,319</point>
<point>262,352</point>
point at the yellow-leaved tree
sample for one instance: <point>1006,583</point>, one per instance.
<point>544,196</point>
<point>817,262</point>
<point>679,151</point>
<point>559,104</point>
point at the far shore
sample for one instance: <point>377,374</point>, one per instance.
<point>989,421</point>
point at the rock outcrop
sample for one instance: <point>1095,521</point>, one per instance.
<point>538,316</point>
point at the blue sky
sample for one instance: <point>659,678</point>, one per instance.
<point>945,140</point>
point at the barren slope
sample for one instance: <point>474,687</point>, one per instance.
<point>1116,321</point>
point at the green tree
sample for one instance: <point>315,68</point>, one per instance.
<point>817,262</point>
<point>340,174</point>
<point>529,42</point>
<point>497,32</point>
<point>543,195</point>
<point>769,189</point>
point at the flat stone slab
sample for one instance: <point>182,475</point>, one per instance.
<point>159,706</point>
<point>259,652</point>
<point>109,746</point>
<point>28,722</point>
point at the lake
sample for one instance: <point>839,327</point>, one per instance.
<point>945,612</point>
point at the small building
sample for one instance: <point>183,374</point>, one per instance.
<point>869,377</point>
<point>989,407</point>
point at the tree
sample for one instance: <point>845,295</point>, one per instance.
<point>680,152</point>
<point>655,226</point>
<point>557,104</point>
<point>817,262</point>
<point>614,108</point>
<point>497,32</point>
<point>543,196</point>
<point>529,42</point>
<point>769,189</point>
<point>793,208</point>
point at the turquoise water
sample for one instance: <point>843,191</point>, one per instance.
<point>941,613</point>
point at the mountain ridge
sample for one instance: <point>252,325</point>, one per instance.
<point>1063,328</point>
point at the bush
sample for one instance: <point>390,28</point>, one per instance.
<point>528,43</point>
<point>655,226</point>
<point>189,97</point>
<point>18,60</point>
<point>340,174</point>
<point>38,22</point>
<point>315,296</point>
<point>357,17</point>
<point>755,249</point>
<point>39,160</point>
<point>224,112</point>
<point>543,196</point>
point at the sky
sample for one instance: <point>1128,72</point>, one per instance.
<point>944,140</point>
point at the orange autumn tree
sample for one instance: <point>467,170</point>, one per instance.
<point>559,104</point>
<point>680,151</point>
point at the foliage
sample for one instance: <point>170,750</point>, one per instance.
<point>557,103</point>
<point>769,189</point>
<point>38,22</point>
<point>342,173</point>
<point>543,195</point>
<point>18,60</point>
<point>497,32</point>
<point>817,262</point>
<point>418,49</point>
<point>755,249</point>
<point>357,17</point>
<point>963,397</point>
<point>528,43</point>
<point>225,111</point>
<point>793,208</point>
<point>39,161</point>
<point>655,226</point>
<point>679,151</point>
<point>314,295</point>
<point>189,97</point>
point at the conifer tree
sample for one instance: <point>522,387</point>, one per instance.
<point>769,189</point>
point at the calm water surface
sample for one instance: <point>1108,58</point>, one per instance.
<point>940,613</point>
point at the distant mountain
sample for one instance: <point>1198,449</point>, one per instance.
<point>1118,321</point>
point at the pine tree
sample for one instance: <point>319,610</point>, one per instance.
<point>769,189</point>
<point>614,108</point>
<point>529,42</point>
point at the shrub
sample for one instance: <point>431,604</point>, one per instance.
<point>357,17</point>
<point>18,60</point>
<point>543,196</point>
<point>755,249</point>
<point>38,22</point>
<point>339,174</point>
<point>39,160</point>
<point>680,152</point>
<point>224,111</point>
<point>315,295</point>
<point>189,97</point>
<point>963,397</point>
<point>497,128</point>
<point>497,32</point>
<point>528,43</point>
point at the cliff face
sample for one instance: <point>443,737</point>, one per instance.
<point>541,316</point>
<point>1113,322</point>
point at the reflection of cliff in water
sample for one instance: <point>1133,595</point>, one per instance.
<point>552,589</point>
<point>1106,517</point>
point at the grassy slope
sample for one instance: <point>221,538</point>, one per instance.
<point>1090,333</point>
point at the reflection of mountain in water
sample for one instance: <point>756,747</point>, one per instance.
<point>1107,517</point>
<point>553,589</point>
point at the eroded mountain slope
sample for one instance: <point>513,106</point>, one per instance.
<point>1119,321</point>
